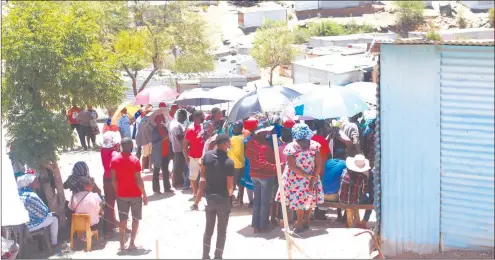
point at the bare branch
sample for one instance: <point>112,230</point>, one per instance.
<point>129,72</point>
<point>152,73</point>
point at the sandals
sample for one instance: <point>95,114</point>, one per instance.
<point>194,207</point>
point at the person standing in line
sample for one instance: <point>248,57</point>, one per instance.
<point>262,170</point>
<point>145,149</point>
<point>352,135</point>
<point>159,155</point>
<point>217,173</point>
<point>124,124</point>
<point>210,137</point>
<point>94,126</point>
<point>236,154</point>
<point>322,131</point>
<point>301,181</point>
<point>109,148</point>
<point>72,115</point>
<point>177,129</point>
<point>84,118</point>
<point>125,170</point>
<point>193,148</point>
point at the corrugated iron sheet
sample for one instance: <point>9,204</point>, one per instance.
<point>425,41</point>
<point>467,147</point>
<point>410,149</point>
<point>378,155</point>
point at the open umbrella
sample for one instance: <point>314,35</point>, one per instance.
<point>367,90</point>
<point>323,103</point>
<point>131,110</point>
<point>261,100</point>
<point>154,95</point>
<point>197,97</point>
<point>229,93</point>
<point>304,88</point>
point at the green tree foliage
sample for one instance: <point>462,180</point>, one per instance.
<point>432,34</point>
<point>329,28</point>
<point>491,16</point>
<point>53,58</point>
<point>159,32</point>
<point>272,46</point>
<point>409,16</point>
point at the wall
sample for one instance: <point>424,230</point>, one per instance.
<point>460,34</point>
<point>410,148</point>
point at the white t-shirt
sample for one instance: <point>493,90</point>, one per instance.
<point>89,205</point>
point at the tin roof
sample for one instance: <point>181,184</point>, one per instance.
<point>425,41</point>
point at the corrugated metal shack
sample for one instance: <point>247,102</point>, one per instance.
<point>436,146</point>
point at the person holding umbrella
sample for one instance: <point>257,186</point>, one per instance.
<point>159,154</point>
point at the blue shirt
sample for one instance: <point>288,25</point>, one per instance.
<point>246,179</point>
<point>125,126</point>
<point>35,207</point>
<point>331,177</point>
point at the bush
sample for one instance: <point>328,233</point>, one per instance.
<point>353,28</point>
<point>461,20</point>
<point>409,15</point>
<point>490,16</point>
<point>301,35</point>
<point>326,28</point>
<point>433,36</point>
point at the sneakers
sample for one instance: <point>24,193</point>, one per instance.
<point>194,207</point>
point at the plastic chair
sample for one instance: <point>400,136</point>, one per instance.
<point>80,224</point>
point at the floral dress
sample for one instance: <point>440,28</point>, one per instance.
<point>298,194</point>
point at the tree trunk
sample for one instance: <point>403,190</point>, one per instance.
<point>55,197</point>
<point>271,76</point>
<point>134,86</point>
<point>145,82</point>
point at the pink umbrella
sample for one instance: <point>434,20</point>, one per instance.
<point>154,95</point>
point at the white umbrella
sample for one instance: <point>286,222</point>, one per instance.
<point>229,93</point>
<point>197,97</point>
<point>304,88</point>
<point>323,103</point>
<point>367,90</point>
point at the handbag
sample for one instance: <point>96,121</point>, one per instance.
<point>71,199</point>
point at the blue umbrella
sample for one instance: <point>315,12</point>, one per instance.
<point>323,103</point>
<point>262,100</point>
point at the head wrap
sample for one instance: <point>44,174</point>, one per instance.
<point>80,169</point>
<point>111,139</point>
<point>25,180</point>
<point>162,104</point>
<point>301,131</point>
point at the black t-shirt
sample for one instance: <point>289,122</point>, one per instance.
<point>218,166</point>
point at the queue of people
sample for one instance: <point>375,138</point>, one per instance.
<point>321,161</point>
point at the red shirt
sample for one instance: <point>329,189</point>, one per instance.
<point>324,147</point>
<point>125,166</point>
<point>165,147</point>
<point>261,158</point>
<point>194,134</point>
<point>72,114</point>
<point>106,158</point>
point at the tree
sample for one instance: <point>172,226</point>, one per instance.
<point>166,36</point>
<point>53,58</point>
<point>272,46</point>
<point>409,16</point>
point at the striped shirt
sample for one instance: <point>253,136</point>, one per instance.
<point>261,158</point>
<point>352,187</point>
<point>35,207</point>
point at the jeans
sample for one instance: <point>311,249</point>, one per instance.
<point>165,173</point>
<point>250,194</point>
<point>51,221</point>
<point>217,207</point>
<point>179,163</point>
<point>263,188</point>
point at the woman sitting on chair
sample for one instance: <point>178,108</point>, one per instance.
<point>88,202</point>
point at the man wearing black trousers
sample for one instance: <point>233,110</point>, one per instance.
<point>217,173</point>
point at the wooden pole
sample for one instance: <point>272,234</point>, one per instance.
<point>157,250</point>
<point>288,238</point>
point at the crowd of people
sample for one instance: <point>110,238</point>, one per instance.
<point>321,160</point>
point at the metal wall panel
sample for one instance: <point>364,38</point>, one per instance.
<point>305,5</point>
<point>410,148</point>
<point>300,74</point>
<point>467,146</point>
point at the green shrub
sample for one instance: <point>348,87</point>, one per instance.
<point>490,16</point>
<point>326,28</point>
<point>433,36</point>
<point>301,35</point>
<point>353,28</point>
<point>409,15</point>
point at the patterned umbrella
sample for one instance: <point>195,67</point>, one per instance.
<point>267,99</point>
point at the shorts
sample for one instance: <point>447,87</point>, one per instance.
<point>194,168</point>
<point>134,204</point>
<point>146,150</point>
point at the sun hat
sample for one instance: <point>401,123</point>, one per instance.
<point>288,123</point>
<point>25,180</point>
<point>111,139</point>
<point>358,163</point>
<point>301,131</point>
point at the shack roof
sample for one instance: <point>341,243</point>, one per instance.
<point>416,41</point>
<point>337,63</point>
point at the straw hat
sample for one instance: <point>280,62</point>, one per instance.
<point>358,163</point>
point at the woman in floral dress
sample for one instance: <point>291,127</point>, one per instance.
<point>302,184</point>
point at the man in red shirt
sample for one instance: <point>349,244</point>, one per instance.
<point>72,115</point>
<point>322,131</point>
<point>193,148</point>
<point>126,177</point>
